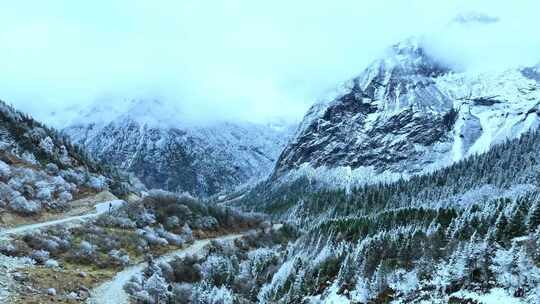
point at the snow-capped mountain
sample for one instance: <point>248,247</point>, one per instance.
<point>464,224</point>
<point>408,113</point>
<point>152,140</point>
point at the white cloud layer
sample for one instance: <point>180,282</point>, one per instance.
<point>239,59</point>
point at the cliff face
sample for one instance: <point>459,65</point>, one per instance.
<point>408,114</point>
<point>166,154</point>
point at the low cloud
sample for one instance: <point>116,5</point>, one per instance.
<point>237,59</point>
<point>475,17</point>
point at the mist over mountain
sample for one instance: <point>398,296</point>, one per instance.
<point>239,152</point>
<point>409,113</point>
<point>167,150</point>
<point>288,57</point>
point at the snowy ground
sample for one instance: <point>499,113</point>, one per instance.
<point>495,296</point>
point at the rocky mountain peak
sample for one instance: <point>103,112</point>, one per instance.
<point>152,139</point>
<point>407,113</point>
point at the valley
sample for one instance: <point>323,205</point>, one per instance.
<point>416,181</point>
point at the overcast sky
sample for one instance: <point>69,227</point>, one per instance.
<point>241,59</point>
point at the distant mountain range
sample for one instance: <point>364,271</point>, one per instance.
<point>153,140</point>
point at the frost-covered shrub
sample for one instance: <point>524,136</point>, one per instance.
<point>172,222</point>
<point>152,237</point>
<point>187,233</point>
<point>166,271</point>
<point>134,284</point>
<point>113,220</point>
<point>52,169</point>
<point>38,188</point>
<point>51,245</point>
<point>5,170</point>
<point>182,293</point>
<point>187,269</point>
<point>16,183</point>
<point>73,176</point>
<point>206,223</point>
<point>146,218</point>
<point>39,241</point>
<point>21,205</point>
<point>51,263</point>
<point>119,257</point>
<point>7,192</point>
<point>86,249</point>
<point>171,238</point>
<point>40,256</point>
<point>29,158</point>
<point>157,287</point>
<point>44,191</point>
<point>61,184</point>
<point>47,145</point>
<point>98,183</point>
<point>142,297</point>
<point>8,249</point>
<point>65,197</point>
<point>214,295</point>
<point>218,270</point>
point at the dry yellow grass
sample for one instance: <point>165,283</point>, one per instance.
<point>64,280</point>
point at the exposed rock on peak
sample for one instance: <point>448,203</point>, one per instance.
<point>151,140</point>
<point>407,114</point>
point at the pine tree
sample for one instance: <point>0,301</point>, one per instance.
<point>534,217</point>
<point>501,228</point>
<point>157,287</point>
<point>516,226</point>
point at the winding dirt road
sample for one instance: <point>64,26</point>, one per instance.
<point>100,209</point>
<point>112,292</point>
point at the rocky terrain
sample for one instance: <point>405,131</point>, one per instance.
<point>408,113</point>
<point>40,170</point>
<point>150,139</point>
<point>414,183</point>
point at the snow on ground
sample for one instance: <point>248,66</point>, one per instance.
<point>332,298</point>
<point>341,177</point>
<point>110,205</point>
<point>495,296</point>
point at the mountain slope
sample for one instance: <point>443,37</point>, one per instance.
<point>149,139</point>
<point>40,169</point>
<point>466,232</point>
<point>415,184</point>
<point>409,114</point>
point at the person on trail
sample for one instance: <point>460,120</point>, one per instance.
<point>110,207</point>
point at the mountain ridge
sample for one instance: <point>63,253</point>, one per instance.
<point>201,159</point>
<point>408,114</point>
<point>41,169</point>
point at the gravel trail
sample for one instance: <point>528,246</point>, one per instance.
<point>112,292</point>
